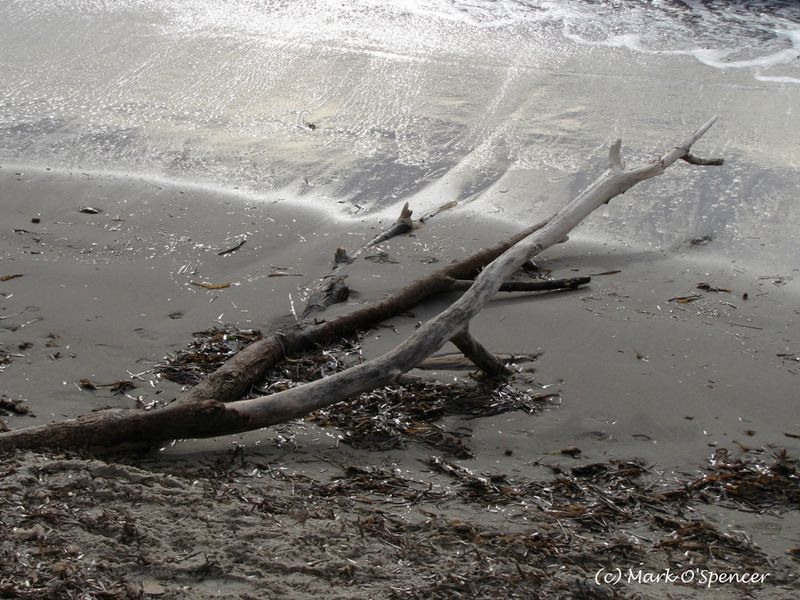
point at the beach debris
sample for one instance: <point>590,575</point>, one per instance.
<point>86,384</point>
<point>535,285</point>
<point>455,361</point>
<point>701,241</point>
<point>176,315</point>
<point>14,407</point>
<point>311,126</point>
<point>702,162</point>
<point>282,272</point>
<point>211,286</point>
<point>745,482</point>
<point>440,209</point>
<point>494,266</point>
<point>402,225</point>
<point>340,257</point>
<point>331,289</point>
<point>368,483</point>
<point>89,210</point>
<point>745,326</point>
<point>381,257</point>
<point>777,280</point>
<point>449,533</point>
<point>707,287</point>
<point>36,220</point>
<point>117,387</point>
<point>10,277</point>
<point>572,451</point>
<point>390,417</point>
<point>232,249</point>
<point>614,272</point>
<point>6,356</point>
<point>207,352</point>
<point>685,299</point>
<point>382,419</point>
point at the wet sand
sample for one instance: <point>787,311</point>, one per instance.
<point>107,296</point>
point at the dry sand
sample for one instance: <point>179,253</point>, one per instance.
<point>642,376</point>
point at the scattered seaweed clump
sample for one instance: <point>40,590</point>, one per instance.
<point>81,527</point>
<point>446,531</point>
<point>383,419</point>
<point>206,353</point>
<point>749,482</point>
<point>390,417</point>
<point>9,406</point>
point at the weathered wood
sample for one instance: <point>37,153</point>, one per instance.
<point>435,333</point>
<point>474,350</point>
<point>235,378</point>
<point>331,289</point>
<point>456,361</point>
<point>702,162</point>
<point>528,286</point>
<point>402,225</point>
<point>126,429</point>
<point>201,416</point>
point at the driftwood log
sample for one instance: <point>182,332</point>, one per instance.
<point>333,288</point>
<point>212,407</point>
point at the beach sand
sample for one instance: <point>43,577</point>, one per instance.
<point>107,296</point>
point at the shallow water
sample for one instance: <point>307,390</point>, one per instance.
<point>507,106</point>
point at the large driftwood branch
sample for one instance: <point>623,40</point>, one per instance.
<point>541,285</point>
<point>203,413</point>
<point>247,368</point>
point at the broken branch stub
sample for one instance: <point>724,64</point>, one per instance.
<point>402,225</point>
<point>202,413</point>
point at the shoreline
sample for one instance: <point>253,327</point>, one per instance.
<point>117,287</point>
<point>640,376</point>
